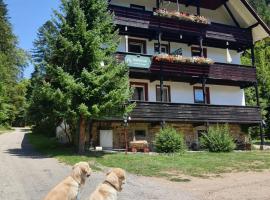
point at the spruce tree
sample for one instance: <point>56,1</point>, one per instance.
<point>82,66</point>
<point>12,61</point>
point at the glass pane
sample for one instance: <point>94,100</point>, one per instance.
<point>138,94</point>
<point>165,97</point>
<point>199,96</point>
<point>140,134</point>
<point>135,47</point>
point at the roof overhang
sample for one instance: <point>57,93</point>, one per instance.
<point>242,11</point>
<point>248,18</point>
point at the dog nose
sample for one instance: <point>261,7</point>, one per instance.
<point>88,175</point>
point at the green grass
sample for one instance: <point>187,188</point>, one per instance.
<point>199,164</point>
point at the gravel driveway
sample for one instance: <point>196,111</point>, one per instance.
<point>27,175</point>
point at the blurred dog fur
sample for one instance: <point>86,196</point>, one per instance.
<point>68,189</point>
<point>112,184</point>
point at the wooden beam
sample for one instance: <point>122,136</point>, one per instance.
<point>231,14</point>
<point>198,7</point>
<point>254,25</point>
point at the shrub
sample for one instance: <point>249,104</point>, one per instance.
<point>218,139</point>
<point>169,140</point>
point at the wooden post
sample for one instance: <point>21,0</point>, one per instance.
<point>257,97</point>
<point>204,91</point>
<point>161,67</point>
<point>82,135</point>
<point>198,7</point>
<point>158,4</point>
<point>201,46</point>
<point>126,141</point>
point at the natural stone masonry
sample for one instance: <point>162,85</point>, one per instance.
<point>189,131</point>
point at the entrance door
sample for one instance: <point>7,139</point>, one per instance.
<point>106,139</point>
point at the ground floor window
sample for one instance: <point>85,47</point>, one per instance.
<point>139,134</point>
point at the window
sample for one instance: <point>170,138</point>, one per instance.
<point>166,93</point>
<point>140,91</point>
<point>196,51</point>
<point>140,134</point>
<point>164,48</point>
<point>198,95</point>
<point>137,46</point>
<point>134,6</point>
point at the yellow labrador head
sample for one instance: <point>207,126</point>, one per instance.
<point>117,177</point>
<point>81,171</point>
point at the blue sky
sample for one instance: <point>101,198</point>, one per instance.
<point>26,17</point>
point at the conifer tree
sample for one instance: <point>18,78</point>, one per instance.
<point>82,66</point>
<point>12,61</point>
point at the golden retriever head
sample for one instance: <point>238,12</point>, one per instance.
<point>80,172</point>
<point>117,178</point>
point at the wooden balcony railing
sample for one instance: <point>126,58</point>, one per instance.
<point>176,112</point>
<point>238,37</point>
<point>217,73</point>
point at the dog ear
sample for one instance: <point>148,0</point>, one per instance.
<point>77,174</point>
<point>113,179</point>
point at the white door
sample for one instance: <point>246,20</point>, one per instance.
<point>106,139</point>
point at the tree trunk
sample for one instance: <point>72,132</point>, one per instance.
<point>82,135</point>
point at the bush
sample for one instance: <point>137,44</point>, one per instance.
<point>169,141</point>
<point>218,139</point>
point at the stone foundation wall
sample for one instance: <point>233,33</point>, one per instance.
<point>189,131</point>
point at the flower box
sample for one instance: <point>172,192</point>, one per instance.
<point>182,59</point>
<point>181,16</point>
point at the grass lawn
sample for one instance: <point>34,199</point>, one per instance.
<point>171,166</point>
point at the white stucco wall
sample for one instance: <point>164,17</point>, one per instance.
<point>219,16</point>
<point>183,93</point>
<point>217,54</point>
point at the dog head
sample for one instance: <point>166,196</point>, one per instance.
<point>117,178</point>
<point>80,172</point>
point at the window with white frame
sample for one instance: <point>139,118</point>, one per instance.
<point>166,97</point>
<point>139,91</point>
<point>136,46</point>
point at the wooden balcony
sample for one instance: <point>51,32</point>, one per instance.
<point>175,112</point>
<point>217,73</point>
<point>145,24</point>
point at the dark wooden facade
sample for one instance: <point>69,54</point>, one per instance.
<point>145,24</point>
<point>175,112</point>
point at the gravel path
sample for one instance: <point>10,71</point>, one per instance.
<point>27,175</point>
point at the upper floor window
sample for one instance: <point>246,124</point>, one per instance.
<point>140,91</point>
<point>196,52</point>
<point>138,7</point>
<point>198,95</point>
<point>164,48</point>
<point>137,46</point>
<point>166,93</point>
